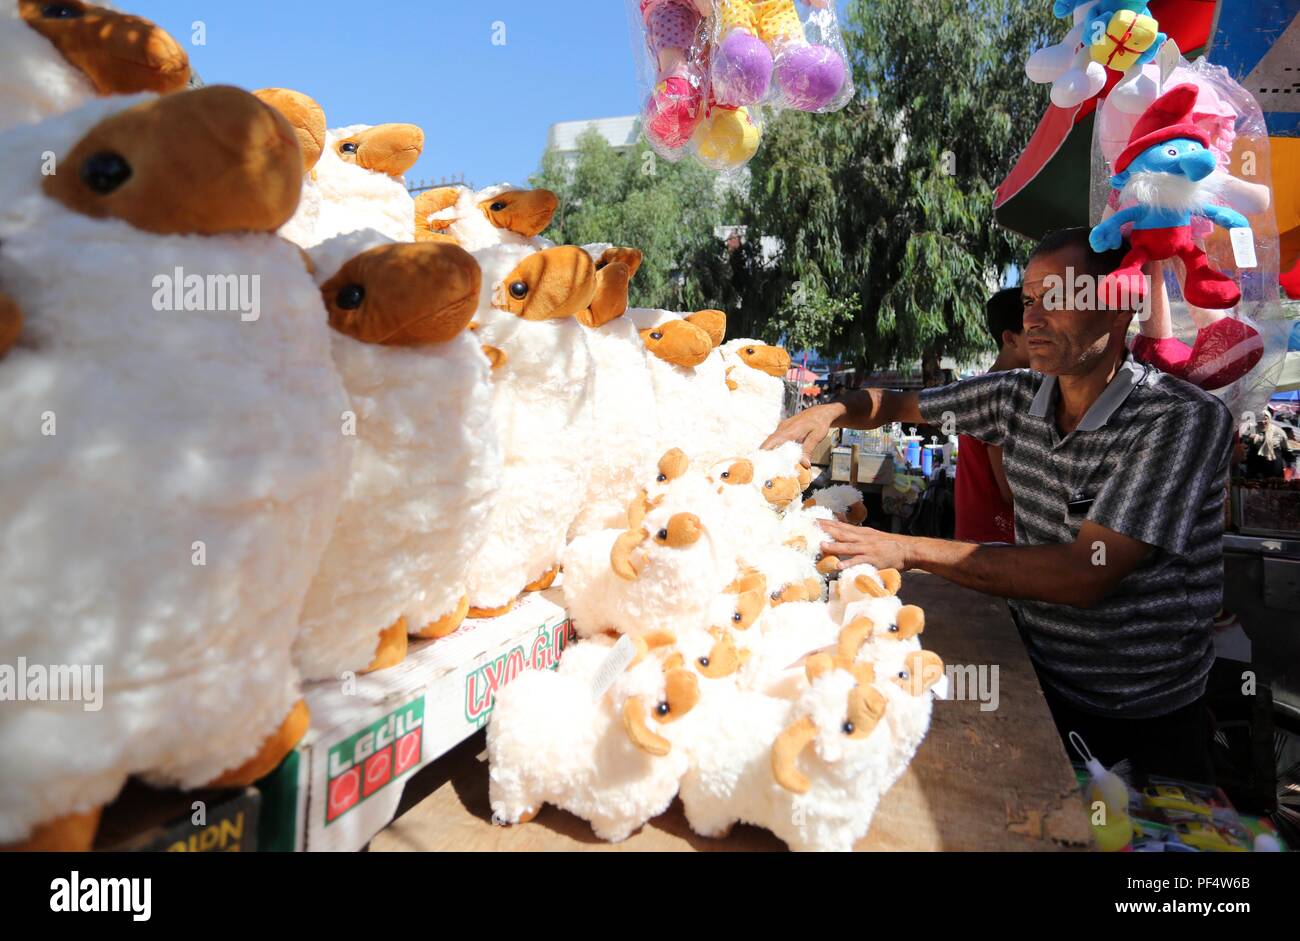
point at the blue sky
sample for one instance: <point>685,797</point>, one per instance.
<point>485,108</point>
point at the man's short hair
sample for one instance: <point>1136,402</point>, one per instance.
<point>1004,311</point>
<point>1095,264</point>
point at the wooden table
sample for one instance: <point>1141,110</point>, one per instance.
<point>982,780</point>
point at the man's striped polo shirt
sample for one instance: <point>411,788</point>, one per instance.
<point>1149,460</point>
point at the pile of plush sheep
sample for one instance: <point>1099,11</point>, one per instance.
<point>265,416</point>
<point>712,668</point>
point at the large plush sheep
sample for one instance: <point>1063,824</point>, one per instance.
<point>543,409</point>
<point>755,376</point>
<point>360,176</point>
<point>57,56</point>
<point>427,460</point>
<point>173,459</point>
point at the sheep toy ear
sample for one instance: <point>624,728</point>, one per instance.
<point>891,579</point>
<point>712,322</point>
<point>611,298</point>
<point>749,581</point>
<point>818,665</point>
<point>785,755</point>
<point>853,635</point>
<point>620,556</point>
<point>866,707</point>
<point>631,257</point>
<point>868,586</point>
<point>911,621</point>
<point>924,668</point>
<point>427,204</point>
<point>11,323</point>
<point>305,116</point>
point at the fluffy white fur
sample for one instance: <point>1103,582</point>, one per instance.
<point>626,425</point>
<point>845,590</point>
<point>550,742</point>
<point>36,82</point>
<point>354,198</point>
<point>783,566</point>
<point>907,714</point>
<point>301,229</point>
<point>883,642</point>
<point>1169,191</point>
<point>544,412</point>
<point>756,403</point>
<point>839,499</point>
<point>689,400</point>
<point>730,776</point>
<point>174,428</point>
<point>675,588</point>
<point>425,471</point>
<point>783,637</point>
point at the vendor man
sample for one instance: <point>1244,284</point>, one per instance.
<point>1118,473</point>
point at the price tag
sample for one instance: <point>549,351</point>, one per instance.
<point>623,653</point>
<point>1243,247</point>
<point>1168,58</point>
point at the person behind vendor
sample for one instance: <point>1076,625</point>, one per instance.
<point>1118,474</point>
<point>984,506</point>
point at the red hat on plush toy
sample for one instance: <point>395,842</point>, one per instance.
<point>1168,118</point>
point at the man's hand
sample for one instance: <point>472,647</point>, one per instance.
<point>810,428</point>
<point>854,545</point>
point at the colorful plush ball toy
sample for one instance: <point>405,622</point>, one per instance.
<point>757,38</point>
<point>676,106</point>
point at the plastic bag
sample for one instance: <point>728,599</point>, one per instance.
<point>1239,361</point>
<point>712,71</point>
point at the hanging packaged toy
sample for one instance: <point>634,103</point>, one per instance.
<point>711,68</point>
<point>1232,342</point>
<point>1120,35</point>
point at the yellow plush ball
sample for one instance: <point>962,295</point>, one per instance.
<point>728,138</point>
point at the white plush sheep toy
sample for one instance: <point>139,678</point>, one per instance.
<point>626,419</point>
<point>307,119</point>
<point>906,680</point>
<point>860,582</point>
<point>55,57</point>
<point>543,409</point>
<point>811,770</point>
<point>498,215</point>
<point>427,461</point>
<point>689,383</point>
<point>880,627</point>
<point>360,175</point>
<point>755,377</point>
<point>173,460</point>
<point>558,738</point>
<point>660,575</point>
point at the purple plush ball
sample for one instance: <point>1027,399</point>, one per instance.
<point>742,70</point>
<point>810,77</point>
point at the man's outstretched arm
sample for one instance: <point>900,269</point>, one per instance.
<point>1079,574</point>
<point>869,408</point>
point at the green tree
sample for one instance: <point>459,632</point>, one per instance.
<point>884,211</point>
<point>667,210</point>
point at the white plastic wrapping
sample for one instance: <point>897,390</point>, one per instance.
<point>712,71</point>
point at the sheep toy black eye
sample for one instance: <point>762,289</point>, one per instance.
<point>893,628</point>
<point>105,172</point>
<point>704,661</point>
<point>662,709</point>
<point>348,148</point>
<point>776,596</point>
<point>661,478</point>
<point>662,535</point>
<point>848,728</point>
<point>62,11</point>
<point>750,351</point>
<point>767,485</point>
<point>350,297</point>
<point>519,290</point>
<point>498,206</point>
<point>726,475</point>
<point>738,617</point>
<point>903,675</point>
<point>656,336</point>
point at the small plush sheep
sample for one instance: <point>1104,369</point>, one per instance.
<point>755,376</point>
<point>860,582</point>
<point>801,530</point>
<point>360,175</point>
<point>51,63</point>
<point>884,626</point>
<point>661,576</point>
<point>554,739</point>
<point>307,119</point>
<point>779,475</point>
<point>171,523</point>
<point>905,679</point>
<point>791,575</point>
<point>810,770</point>
<point>543,410</point>
<point>426,461</point>
<point>843,500</point>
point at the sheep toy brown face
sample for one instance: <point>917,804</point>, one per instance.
<point>304,115</point>
<point>678,343</point>
<point>863,709</point>
<point>548,285</point>
<point>682,531</point>
<point>120,54</point>
<point>681,693</point>
<point>781,491</point>
<point>404,294</point>
<point>426,205</point>
<point>523,212</point>
<point>610,300</point>
<point>772,360</point>
<point>164,166</point>
<point>921,670</point>
<point>390,149</point>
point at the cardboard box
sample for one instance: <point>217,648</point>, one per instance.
<point>875,468</point>
<point>147,820</point>
<point>370,734</point>
<point>821,455</point>
<point>843,462</point>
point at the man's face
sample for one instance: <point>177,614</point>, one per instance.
<point>1062,341</point>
